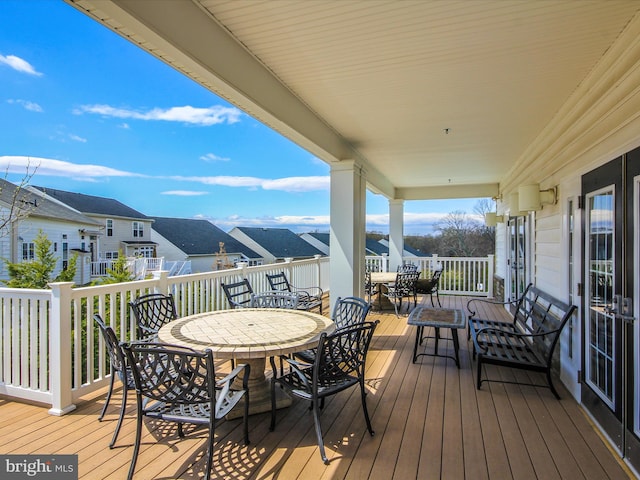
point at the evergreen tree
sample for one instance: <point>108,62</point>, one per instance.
<point>37,273</point>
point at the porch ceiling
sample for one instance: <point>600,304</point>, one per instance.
<point>380,82</point>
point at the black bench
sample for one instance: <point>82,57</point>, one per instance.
<point>527,342</point>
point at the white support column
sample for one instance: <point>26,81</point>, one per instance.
<point>347,238</point>
<point>396,233</point>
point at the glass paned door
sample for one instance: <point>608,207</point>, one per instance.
<point>517,257</point>
<point>611,391</point>
<point>601,324</point>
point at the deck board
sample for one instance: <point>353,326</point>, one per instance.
<point>430,421</point>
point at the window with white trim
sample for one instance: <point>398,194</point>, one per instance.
<point>109,227</point>
<point>138,229</point>
<point>28,251</point>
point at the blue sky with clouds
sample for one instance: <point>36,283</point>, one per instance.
<point>94,114</point>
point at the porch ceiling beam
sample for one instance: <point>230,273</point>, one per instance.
<point>480,190</point>
<point>186,37</point>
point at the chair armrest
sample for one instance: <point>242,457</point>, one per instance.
<point>227,380</point>
<point>315,292</point>
<point>297,367</point>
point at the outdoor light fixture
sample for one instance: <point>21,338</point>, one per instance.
<point>532,198</point>
<point>491,219</point>
<point>514,205</point>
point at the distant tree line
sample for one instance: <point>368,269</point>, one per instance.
<point>459,235</point>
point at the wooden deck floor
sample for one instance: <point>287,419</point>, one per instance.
<point>430,422</point>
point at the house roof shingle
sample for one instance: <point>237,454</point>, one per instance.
<point>198,237</point>
<point>34,203</point>
<point>92,205</point>
<point>281,242</point>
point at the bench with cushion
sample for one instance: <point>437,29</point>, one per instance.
<point>527,342</point>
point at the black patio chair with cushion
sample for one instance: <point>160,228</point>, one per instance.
<point>238,294</point>
<point>339,365</point>
<point>403,287</point>
<point>178,384</point>
<point>274,299</point>
<point>430,286</point>
<point>347,312</point>
<point>310,297</point>
<point>118,369</point>
<point>151,312</point>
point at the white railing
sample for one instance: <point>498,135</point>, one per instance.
<point>139,266</point>
<point>51,351</point>
<point>461,276</point>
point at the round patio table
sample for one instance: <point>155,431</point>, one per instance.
<point>250,335</point>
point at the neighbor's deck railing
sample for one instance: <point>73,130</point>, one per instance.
<point>51,351</point>
<point>461,275</point>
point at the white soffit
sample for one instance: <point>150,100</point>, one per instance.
<point>380,81</point>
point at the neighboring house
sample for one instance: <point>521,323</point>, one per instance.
<point>318,240</point>
<point>65,227</point>
<point>122,229</point>
<point>275,244</point>
<point>372,247</point>
<point>407,252</point>
<point>206,246</point>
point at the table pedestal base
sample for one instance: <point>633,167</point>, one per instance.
<point>259,391</point>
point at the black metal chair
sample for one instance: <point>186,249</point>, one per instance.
<point>408,267</point>
<point>238,294</point>
<point>403,287</point>
<point>310,297</point>
<point>339,365</point>
<point>347,312</point>
<point>431,286</point>
<point>118,369</point>
<point>274,299</point>
<point>178,384</point>
<point>151,312</point>
<point>371,289</point>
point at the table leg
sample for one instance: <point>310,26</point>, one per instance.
<point>418,341</point>
<point>456,344</point>
<point>259,391</point>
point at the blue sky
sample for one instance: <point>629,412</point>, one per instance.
<point>94,114</point>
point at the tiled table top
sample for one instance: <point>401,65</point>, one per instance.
<point>383,277</point>
<point>248,332</point>
<point>437,317</point>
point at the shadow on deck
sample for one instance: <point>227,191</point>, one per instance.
<point>430,422</point>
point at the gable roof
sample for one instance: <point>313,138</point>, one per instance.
<point>198,237</point>
<point>33,203</point>
<point>281,242</point>
<point>92,205</point>
<point>321,237</point>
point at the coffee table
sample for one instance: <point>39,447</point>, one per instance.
<point>437,318</point>
<point>250,336</point>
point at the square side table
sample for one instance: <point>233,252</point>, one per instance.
<point>437,318</point>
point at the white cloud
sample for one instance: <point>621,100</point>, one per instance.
<point>184,193</point>
<point>58,168</point>
<point>212,157</point>
<point>76,138</point>
<point>214,115</point>
<point>297,184</point>
<point>31,106</point>
<point>287,184</point>
<point>19,65</point>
